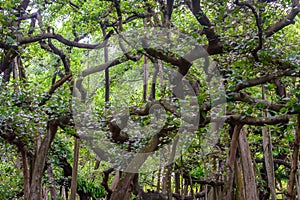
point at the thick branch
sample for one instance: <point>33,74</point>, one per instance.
<point>182,63</point>
<point>244,97</point>
<point>6,46</point>
<point>62,55</point>
<point>264,79</point>
<point>54,87</point>
<point>289,19</point>
<point>243,119</point>
<point>23,6</point>
<point>258,24</point>
<point>212,37</point>
<point>104,66</point>
<point>63,40</point>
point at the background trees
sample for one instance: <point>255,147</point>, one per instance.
<point>254,45</point>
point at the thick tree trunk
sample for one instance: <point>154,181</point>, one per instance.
<point>269,163</point>
<point>191,187</point>
<point>164,182</point>
<point>123,190</point>
<point>248,172</point>
<point>25,175</point>
<point>116,180</point>
<point>231,162</point>
<point>75,169</point>
<point>291,183</point>
<point>168,181</point>
<point>268,154</point>
<point>158,178</point>
<point>177,182</point>
<point>240,186</point>
<point>40,161</point>
<point>45,193</point>
<point>51,183</point>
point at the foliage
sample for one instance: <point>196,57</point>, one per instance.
<point>48,47</point>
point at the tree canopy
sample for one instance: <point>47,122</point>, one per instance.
<point>203,93</point>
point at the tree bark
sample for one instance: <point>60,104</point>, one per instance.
<point>51,183</point>
<point>158,178</point>
<point>123,190</point>
<point>164,181</point>
<point>268,154</point>
<point>153,84</point>
<point>168,181</point>
<point>291,183</point>
<point>231,162</point>
<point>45,193</point>
<point>177,182</point>
<point>75,169</point>
<point>107,85</point>
<point>240,187</point>
<point>25,175</point>
<point>40,161</point>
<point>116,180</point>
<point>248,172</point>
<point>146,74</point>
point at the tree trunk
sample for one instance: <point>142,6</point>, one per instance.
<point>107,85</point>
<point>240,187</point>
<point>191,186</point>
<point>25,175</point>
<point>177,182</point>
<point>153,84</point>
<point>63,192</point>
<point>248,172</point>
<point>297,184</point>
<point>268,154</point>
<point>158,178</point>
<point>51,183</point>
<point>164,181</point>
<point>40,161</point>
<point>146,74</point>
<point>116,180</point>
<point>75,169</point>
<point>291,183</point>
<point>84,196</point>
<point>231,162</point>
<point>168,181</point>
<point>45,193</point>
<point>123,190</point>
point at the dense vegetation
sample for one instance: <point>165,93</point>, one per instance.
<point>73,71</point>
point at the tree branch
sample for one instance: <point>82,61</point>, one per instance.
<point>244,97</point>
<point>289,19</point>
<point>212,37</point>
<point>104,66</point>
<point>63,40</point>
<point>65,59</point>
<point>54,87</point>
<point>6,46</point>
<point>258,24</point>
<point>264,79</point>
<point>243,119</point>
